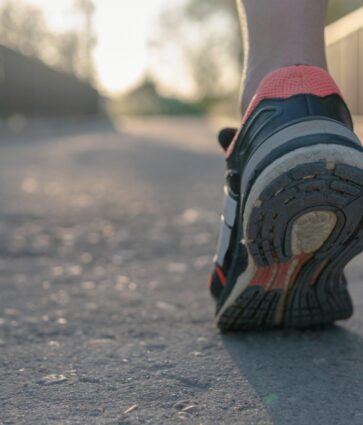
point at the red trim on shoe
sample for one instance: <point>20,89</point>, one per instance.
<point>290,81</point>
<point>218,273</point>
<point>231,146</point>
<point>221,276</point>
<point>280,275</point>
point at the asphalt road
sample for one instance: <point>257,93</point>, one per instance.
<point>106,240</point>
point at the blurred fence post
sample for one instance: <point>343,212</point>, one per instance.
<point>344,40</point>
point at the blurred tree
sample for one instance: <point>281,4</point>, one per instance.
<point>23,28</point>
<point>146,100</point>
<point>208,36</point>
<point>87,38</point>
<point>68,52</point>
<point>202,10</point>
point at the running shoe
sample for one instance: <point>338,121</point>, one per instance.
<point>293,206</point>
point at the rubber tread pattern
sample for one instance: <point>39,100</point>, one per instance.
<point>319,295</point>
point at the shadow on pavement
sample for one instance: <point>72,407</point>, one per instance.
<point>303,378</point>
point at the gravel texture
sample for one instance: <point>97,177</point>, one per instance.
<point>105,318</point>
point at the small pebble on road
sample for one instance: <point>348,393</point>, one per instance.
<point>52,379</point>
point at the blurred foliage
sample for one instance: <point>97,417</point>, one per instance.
<point>208,35</point>
<point>339,8</point>
<point>145,100</point>
<point>214,52</point>
<point>23,28</point>
<point>87,39</point>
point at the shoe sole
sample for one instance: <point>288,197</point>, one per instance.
<point>303,224</point>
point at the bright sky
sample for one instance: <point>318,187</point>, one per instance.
<point>124,30</point>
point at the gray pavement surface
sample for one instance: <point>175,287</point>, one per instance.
<point>106,245</point>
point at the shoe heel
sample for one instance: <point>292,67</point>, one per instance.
<point>303,224</point>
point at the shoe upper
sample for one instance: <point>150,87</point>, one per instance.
<point>285,97</point>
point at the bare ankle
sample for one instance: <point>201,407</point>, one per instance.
<point>289,33</point>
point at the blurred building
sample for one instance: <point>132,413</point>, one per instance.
<point>344,40</point>
<point>31,88</point>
